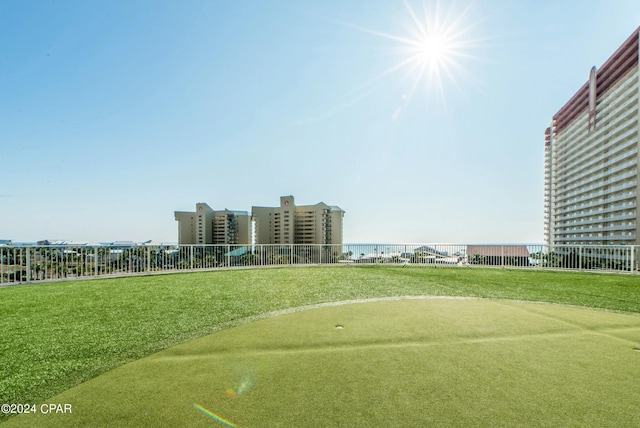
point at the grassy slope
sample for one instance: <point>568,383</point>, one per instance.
<point>55,336</point>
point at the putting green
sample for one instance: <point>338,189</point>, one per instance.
<point>407,362</point>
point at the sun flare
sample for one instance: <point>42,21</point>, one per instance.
<point>432,48</point>
<point>429,49</point>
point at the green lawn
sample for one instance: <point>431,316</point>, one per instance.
<point>55,336</point>
<point>407,362</point>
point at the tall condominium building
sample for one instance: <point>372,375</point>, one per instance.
<point>207,226</point>
<point>303,224</point>
<point>591,157</point>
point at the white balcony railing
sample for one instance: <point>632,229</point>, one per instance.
<point>28,264</point>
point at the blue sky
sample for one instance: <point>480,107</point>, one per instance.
<point>114,114</point>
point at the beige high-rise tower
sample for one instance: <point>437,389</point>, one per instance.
<point>207,226</point>
<point>592,157</point>
<point>303,224</point>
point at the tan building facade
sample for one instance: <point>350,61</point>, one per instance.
<point>207,226</point>
<point>303,224</point>
<point>592,157</point>
<point>286,224</point>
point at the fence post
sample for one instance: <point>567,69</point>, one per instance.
<point>502,255</point>
<point>580,257</point>
<point>190,256</point>
<point>28,261</point>
<point>631,259</point>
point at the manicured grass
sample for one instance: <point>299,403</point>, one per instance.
<point>55,336</point>
<point>409,362</point>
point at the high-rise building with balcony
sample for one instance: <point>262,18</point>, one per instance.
<point>207,226</point>
<point>286,224</point>
<point>591,161</point>
<point>302,224</point>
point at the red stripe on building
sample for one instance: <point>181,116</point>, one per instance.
<point>615,68</point>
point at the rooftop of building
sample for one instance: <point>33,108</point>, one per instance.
<point>623,60</point>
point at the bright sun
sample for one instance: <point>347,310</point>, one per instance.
<point>431,47</point>
<point>437,40</point>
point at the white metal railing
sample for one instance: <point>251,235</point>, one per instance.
<point>37,263</point>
